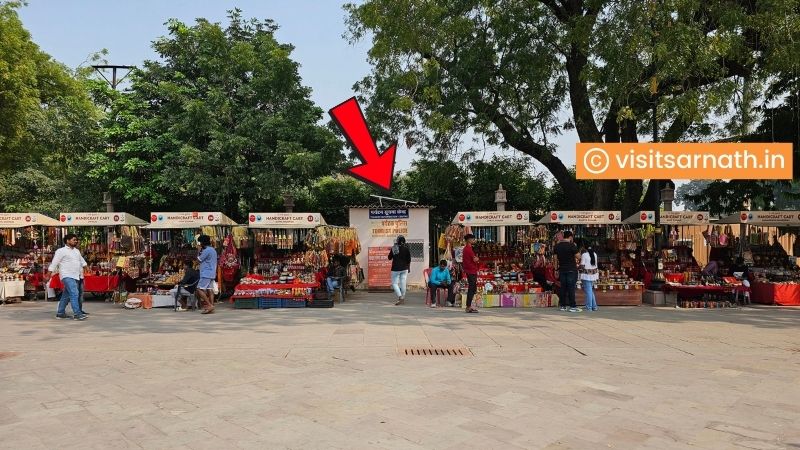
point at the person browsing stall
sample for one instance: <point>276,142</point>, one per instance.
<point>589,274</point>
<point>208,273</point>
<point>440,279</point>
<point>471,261</point>
<point>567,253</point>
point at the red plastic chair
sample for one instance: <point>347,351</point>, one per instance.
<point>427,276</point>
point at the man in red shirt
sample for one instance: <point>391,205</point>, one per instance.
<point>471,270</point>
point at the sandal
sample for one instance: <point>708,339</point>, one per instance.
<point>208,311</point>
<point>472,310</point>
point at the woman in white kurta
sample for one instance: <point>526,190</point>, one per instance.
<point>588,276</point>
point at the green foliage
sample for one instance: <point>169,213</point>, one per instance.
<point>452,188</point>
<point>331,195</point>
<point>47,123</point>
<point>692,188</point>
<point>220,122</point>
<point>722,198</point>
<point>505,68</point>
<point>32,190</point>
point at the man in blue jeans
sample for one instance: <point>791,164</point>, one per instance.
<point>69,263</point>
<point>567,253</point>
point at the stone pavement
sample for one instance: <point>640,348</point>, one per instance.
<point>624,377</point>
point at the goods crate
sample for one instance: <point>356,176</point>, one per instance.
<point>245,303</point>
<point>267,303</point>
<point>320,303</point>
<point>293,303</point>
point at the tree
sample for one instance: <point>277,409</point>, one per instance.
<point>452,188</point>
<point>780,123</point>
<point>443,184</point>
<point>221,121</point>
<point>504,69</point>
<point>685,191</point>
<point>47,122</point>
<point>331,195</point>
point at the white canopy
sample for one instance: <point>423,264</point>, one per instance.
<point>492,218</point>
<point>764,218</point>
<point>583,217</point>
<point>181,220</point>
<point>684,218</point>
<point>642,217</point>
<point>97,219</point>
<point>21,220</point>
<point>284,220</point>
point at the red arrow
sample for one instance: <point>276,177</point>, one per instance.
<point>377,168</point>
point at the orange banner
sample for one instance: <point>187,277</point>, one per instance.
<point>697,161</point>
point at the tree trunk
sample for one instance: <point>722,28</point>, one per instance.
<point>633,188</point>
<point>633,197</point>
<point>604,193</point>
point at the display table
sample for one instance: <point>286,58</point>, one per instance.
<point>91,283</point>
<point>511,300</point>
<point>147,299</point>
<point>276,290</point>
<point>161,300</point>
<point>699,291</point>
<point>154,300</point>
<point>775,293</point>
<point>11,289</point>
<point>624,297</point>
<point>34,281</point>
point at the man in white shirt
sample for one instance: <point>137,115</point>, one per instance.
<point>69,263</point>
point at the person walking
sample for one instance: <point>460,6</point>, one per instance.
<point>400,256</point>
<point>208,273</point>
<point>588,276</point>
<point>470,265</point>
<point>69,264</point>
<point>567,252</point>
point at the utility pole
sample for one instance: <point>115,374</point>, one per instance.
<point>113,82</point>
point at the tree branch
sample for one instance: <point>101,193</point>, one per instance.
<point>676,129</point>
<point>557,10</point>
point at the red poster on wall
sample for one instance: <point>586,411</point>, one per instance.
<point>380,268</point>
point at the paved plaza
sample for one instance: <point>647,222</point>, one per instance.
<point>622,377</point>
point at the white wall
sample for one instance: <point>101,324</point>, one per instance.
<point>379,233</point>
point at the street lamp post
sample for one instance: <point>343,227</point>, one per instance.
<point>667,196</point>
<point>288,202</point>
<point>500,200</point>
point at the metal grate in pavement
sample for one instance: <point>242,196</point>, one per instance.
<point>4,355</point>
<point>447,352</point>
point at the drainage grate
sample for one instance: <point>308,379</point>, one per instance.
<point>4,355</point>
<point>459,352</point>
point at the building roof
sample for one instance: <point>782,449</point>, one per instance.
<point>389,206</point>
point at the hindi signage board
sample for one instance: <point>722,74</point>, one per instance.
<point>379,273</point>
